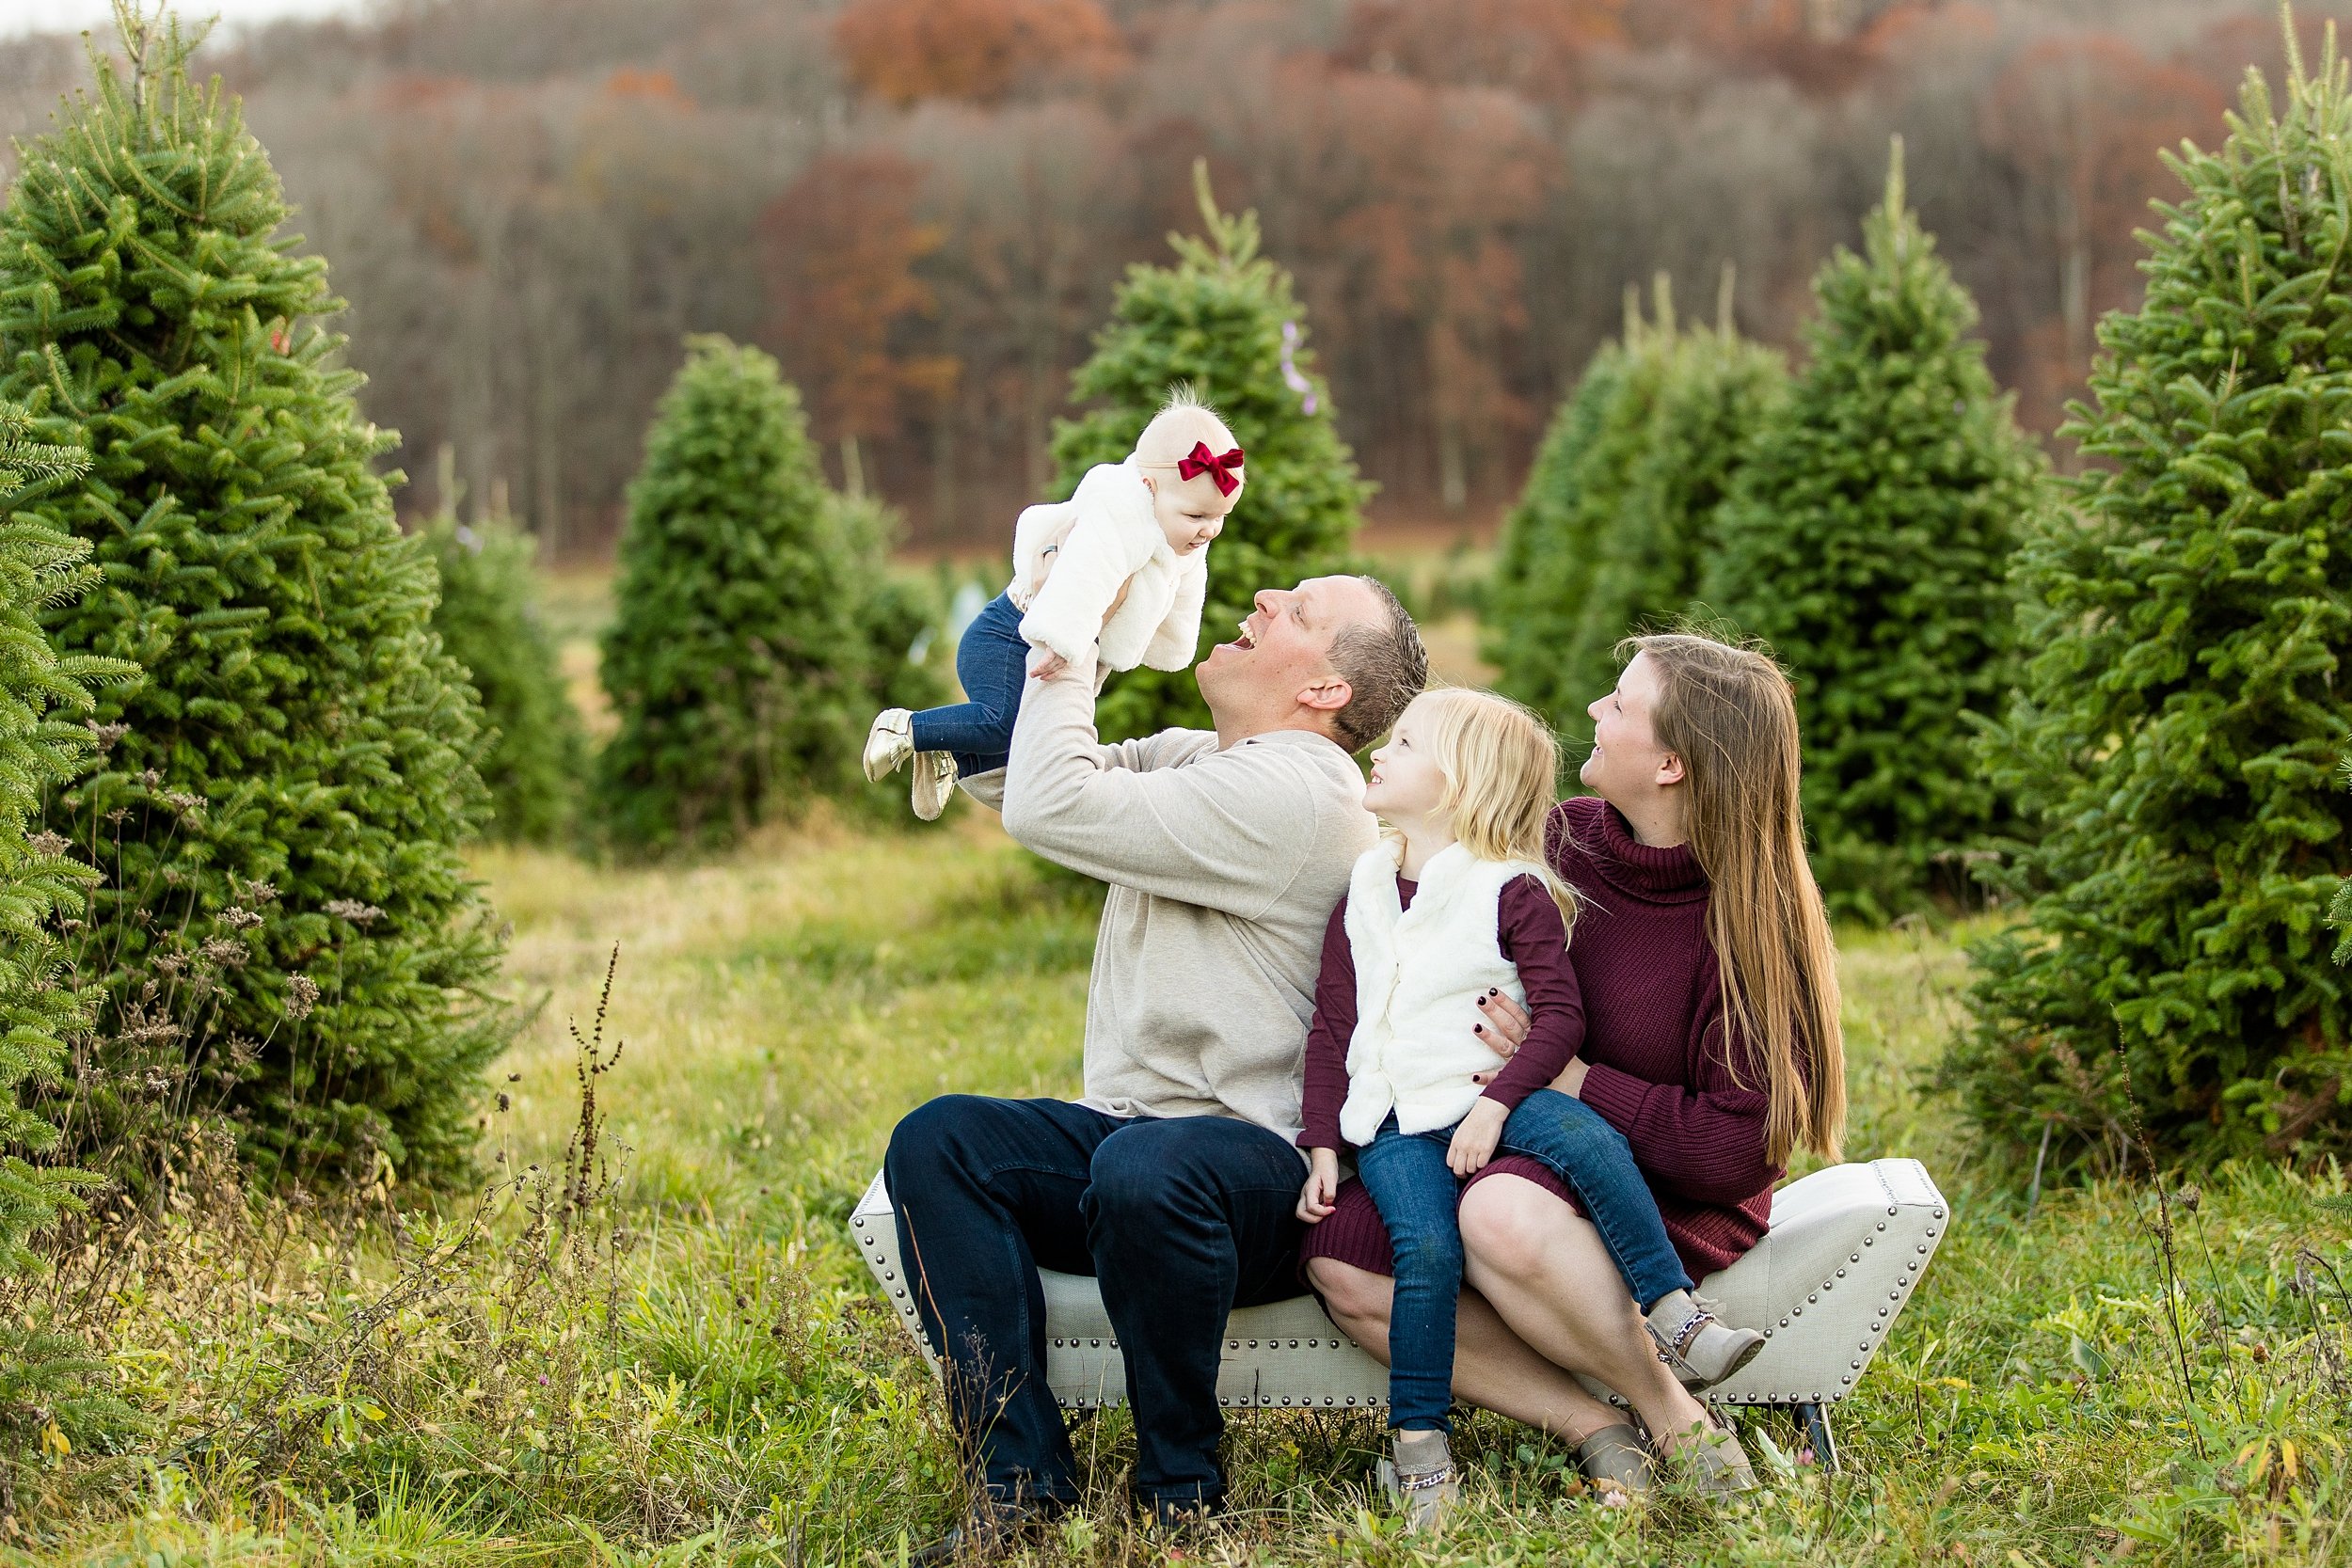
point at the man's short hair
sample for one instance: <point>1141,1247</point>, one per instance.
<point>1384,665</point>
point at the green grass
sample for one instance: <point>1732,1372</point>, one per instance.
<point>695,1368</point>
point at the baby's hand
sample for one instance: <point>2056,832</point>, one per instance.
<point>1322,1185</point>
<point>1473,1142</point>
<point>1044,664</point>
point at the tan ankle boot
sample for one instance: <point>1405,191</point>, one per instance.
<point>1421,1476</point>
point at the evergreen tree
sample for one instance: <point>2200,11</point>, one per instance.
<point>42,1001</point>
<point>1544,566</point>
<point>1618,518</point>
<point>488,617</point>
<point>2183,705</point>
<point>1868,543</point>
<point>299,740</point>
<point>757,633</point>
<point>1224,320</point>
<point>39,1002</point>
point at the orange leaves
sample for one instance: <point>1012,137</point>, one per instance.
<point>632,82</point>
<point>842,245</point>
<point>981,51</point>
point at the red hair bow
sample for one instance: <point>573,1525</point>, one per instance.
<point>1203,460</point>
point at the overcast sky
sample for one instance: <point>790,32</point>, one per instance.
<point>72,16</point>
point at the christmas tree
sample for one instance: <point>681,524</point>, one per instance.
<point>1618,517</point>
<point>41,1000</point>
<point>277,829</point>
<point>2181,706</point>
<point>41,746</point>
<point>488,618</point>
<point>1712,389</point>
<point>1544,566</point>
<point>1869,541</point>
<point>1222,320</point>
<point>756,634</point>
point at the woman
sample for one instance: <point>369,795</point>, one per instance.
<point>1712,1043</point>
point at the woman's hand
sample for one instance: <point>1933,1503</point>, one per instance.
<point>1044,664</point>
<point>1474,1140</point>
<point>1322,1185</point>
<point>1502,1031</point>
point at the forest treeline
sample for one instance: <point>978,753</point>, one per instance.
<point>921,207</point>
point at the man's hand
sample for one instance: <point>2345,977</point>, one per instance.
<point>1473,1142</point>
<point>1322,1185</point>
<point>1044,664</point>
<point>1504,1029</point>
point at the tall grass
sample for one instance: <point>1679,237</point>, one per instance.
<point>677,1358</point>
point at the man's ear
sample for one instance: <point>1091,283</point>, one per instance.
<point>1670,770</point>
<point>1327,695</point>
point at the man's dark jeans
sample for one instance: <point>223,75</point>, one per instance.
<point>1179,1219</point>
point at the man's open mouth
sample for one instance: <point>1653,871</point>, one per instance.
<point>1245,641</point>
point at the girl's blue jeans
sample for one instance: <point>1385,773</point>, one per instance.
<point>993,662</point>
<point>1417,1194</point>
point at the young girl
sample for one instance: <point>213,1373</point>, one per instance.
<point>1120,567</point>
<point>1455,905</point>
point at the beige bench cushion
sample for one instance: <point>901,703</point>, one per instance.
<point>1846,1249</point>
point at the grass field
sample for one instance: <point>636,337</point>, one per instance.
<point>692,1367</point>
<point>665,1351</point>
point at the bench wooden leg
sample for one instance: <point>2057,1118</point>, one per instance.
<point>1813,1420</point>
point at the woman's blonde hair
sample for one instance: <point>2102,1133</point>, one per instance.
<point>1501,767</point>
<point>1731,716</point>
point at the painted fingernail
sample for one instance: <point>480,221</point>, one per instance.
<point>1478,1028</point>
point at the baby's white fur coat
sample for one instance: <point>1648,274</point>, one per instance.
<point>1419,975</point>
<point>1107,535</point>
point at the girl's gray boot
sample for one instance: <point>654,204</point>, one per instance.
<point>1421,1476</point>
<point>1702,1349</point>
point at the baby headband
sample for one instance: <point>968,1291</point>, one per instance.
<point>1202,461</point>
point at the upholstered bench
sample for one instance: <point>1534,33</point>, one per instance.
<point>1847,1248</point>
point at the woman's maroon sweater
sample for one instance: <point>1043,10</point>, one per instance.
<point>1654,1040</point>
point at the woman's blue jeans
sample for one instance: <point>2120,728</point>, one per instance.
<point>1418,1196</point>
<point>993,662</point>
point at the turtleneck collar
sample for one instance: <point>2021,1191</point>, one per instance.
<point>1668,875</point>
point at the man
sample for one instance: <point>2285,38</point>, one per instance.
<point>1174,1180</point>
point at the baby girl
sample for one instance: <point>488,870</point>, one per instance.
<point>1119,567</point>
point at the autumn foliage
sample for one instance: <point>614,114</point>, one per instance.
<point>902,51</point>
<point>843,244</point>
<point>538,198</point>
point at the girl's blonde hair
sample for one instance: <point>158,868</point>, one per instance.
<point>1501,767</point>
<point>1730,715</point>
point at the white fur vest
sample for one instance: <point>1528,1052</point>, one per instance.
<point>1419,975</point>
<point>1105,538</point>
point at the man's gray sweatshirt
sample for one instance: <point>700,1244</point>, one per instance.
<point>1224,868</point>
